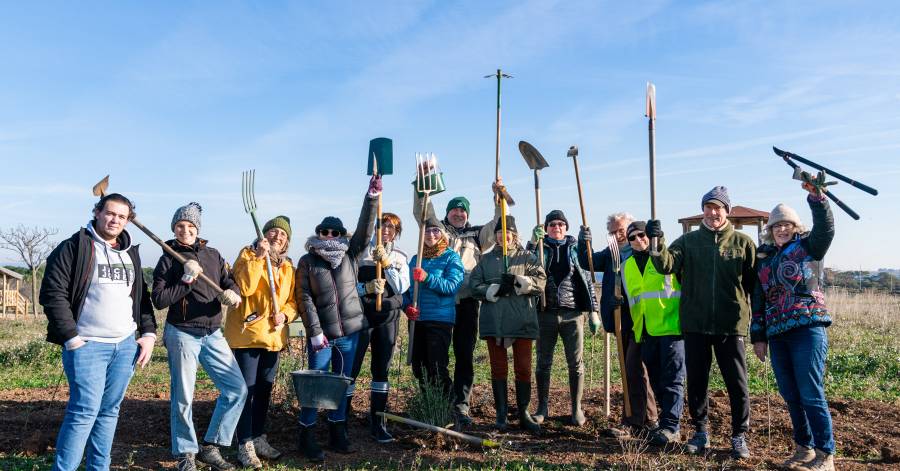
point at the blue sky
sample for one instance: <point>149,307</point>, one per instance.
<point>175,99</point>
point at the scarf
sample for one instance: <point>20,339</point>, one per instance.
<point>332,250</point>
<point>435,250</point>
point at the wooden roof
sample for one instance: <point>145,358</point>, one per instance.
<point>742,213</point>
<point>8,272</point>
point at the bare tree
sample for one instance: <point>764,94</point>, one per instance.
<point>33,246</point>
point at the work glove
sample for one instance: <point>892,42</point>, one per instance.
<point>419,275</point>
<point>192,270</point>
<point>538,234</point>
<point>318,342</point>
<point>380,256</point>
<point>507,284</point>
<point>594,321</point>
<point>375,185</point>
<point>375,286</point>
<point>618,301</point>
<point>229,298</point>
<point>412,313</point>
<point>490,294</point>
<point>653,229</point>
<point>522,284</point>
<point>585,234</point>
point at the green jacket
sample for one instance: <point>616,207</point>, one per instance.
<point>717,274</point>
<point>513,316</point>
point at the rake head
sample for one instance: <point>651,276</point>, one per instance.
<point>247,192</point>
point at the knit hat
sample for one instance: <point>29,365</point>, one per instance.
<point>458,202</point>
<point>555,215</point>
<point>190,213</point>
<point>783,213</point>
<point>719,195</point>
<point>333,223</point>
<point>281,222</point>
<point>636,226</point>
<point>432,222</point>
<point>510,225</point>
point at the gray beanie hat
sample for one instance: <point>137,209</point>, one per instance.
<point>783,213</point>
<point>718,194</point>
<point>190,213</point>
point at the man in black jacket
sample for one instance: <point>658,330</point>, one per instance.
<point>95,298</point>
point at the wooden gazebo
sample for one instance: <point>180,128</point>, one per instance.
<point>740,216</point>
<point>11,300</point>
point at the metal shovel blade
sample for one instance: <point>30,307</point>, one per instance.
<point>532,156</point>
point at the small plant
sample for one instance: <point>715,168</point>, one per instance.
<point>430,404</point>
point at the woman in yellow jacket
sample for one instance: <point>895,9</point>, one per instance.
<point>257,333</point>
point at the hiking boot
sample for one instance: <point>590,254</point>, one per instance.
<point>461,421</point>
<point>337,437</point>
<point>576,391</point>
<point>264,450</point>
<point>307,445</point>
<point>697,444</point>
<point>739,448</point>
<point>663,437</point>
<point>247,456</point>
<point>210,456</point>
<point>822,462</point>
<point>186,462</point>
<point>542,381</point>
<point>523,398</point>
<point>500,403</point>
<point>802,456</point>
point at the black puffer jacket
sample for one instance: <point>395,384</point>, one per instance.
<point>327,298</point>
<point>193,307</point>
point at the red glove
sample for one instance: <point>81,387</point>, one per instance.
<point>419,275</point>
<point>412,313</point>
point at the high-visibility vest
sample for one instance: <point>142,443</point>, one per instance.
<point>653,299</point>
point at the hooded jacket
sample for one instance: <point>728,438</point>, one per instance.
<point>513,316</point>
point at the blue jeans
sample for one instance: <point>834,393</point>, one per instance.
<point>98,375</point>
<point>341,363</point>
<point>798,361</point>
<point>664,358</point>
<point>211,351</point>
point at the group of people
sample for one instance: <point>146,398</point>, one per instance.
<point>673,306</point>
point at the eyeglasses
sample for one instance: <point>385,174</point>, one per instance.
<point>634,236</point>
<point>388,226</point>
<point>331,232</point>
<point>432,230</point>
<point>783,226</point>
<point>556,224</point>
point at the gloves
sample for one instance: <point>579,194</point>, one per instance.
<point>318,342</point>
<point>507,284</point>
<point>380,256</point>
<point>594,321</point>
<point>618,301</point>
<point>192,270</point>
<point>375,286</point>
<point>412,313</point>
<point>585,233</point>
<point>538,234</point>
<point>653,229</point>
<point>491,294</point>
<point>375,185</point>
<point>229,298</point>
<point>522,284</point>
<point>419,275</point>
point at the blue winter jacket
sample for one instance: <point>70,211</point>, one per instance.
<point>437,294</point>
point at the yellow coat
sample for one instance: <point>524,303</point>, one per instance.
<point>251,278</point>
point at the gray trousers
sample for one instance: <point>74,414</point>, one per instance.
<point>570,326</point>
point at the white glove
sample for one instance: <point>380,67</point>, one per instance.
<point>229,298</point>
<point>375,286</point>
<point>318,342</point>
<point>192,270</point>
<point>523,284</point>
<point>380,256</point>
<point>491,294</point>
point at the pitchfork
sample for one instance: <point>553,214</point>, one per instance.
<point>426,169</point>
<point>248,194</point>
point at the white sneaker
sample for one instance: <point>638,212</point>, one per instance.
<point>264,450</point>
<point>247,456</point>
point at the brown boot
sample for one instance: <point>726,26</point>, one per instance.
<point>801,456</point>
<point>822,462</point>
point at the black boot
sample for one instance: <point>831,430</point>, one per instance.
<point>576,391</point>
<point>500,403</point>
<point>308,446</point>
<point>543,393</point>
<point>378,401</point>
<point>337,437</point>
<point>523,398</point>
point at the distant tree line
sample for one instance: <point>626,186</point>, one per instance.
<point>882,280</point>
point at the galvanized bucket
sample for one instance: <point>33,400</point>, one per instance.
<point>320,389</point>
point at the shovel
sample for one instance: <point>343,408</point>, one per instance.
<point>536,162</point>
<point>381,162</point>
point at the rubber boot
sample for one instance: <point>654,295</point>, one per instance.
<point>500,403</point>
<point>523,398</point>
<point>337,437</point>
<point>308,446</point>
<point>543,393</point>
<point>378,427</point>
<point>576,391</point>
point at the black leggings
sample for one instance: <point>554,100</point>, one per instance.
<point>382,338</point>
<point>258,366</point>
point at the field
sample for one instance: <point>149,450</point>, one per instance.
<point>863,385</point>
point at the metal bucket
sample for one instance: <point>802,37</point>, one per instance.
<point>320,389</point>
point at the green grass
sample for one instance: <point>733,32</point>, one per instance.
<point>23,463</point>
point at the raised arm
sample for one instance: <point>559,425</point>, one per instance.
<point>365,227</point>
<point>823,227</point>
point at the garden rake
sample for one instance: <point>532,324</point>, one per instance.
<point>248,194</point>
<point>426,178</point>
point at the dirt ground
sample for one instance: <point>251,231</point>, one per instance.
<point>867,435</point>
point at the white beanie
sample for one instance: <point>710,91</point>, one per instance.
<point>783,213</point>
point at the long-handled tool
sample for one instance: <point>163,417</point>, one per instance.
<point>503,197</point>
<point>616,257</point>
<point>381,162</point>
<point>485,442</point>
<point>536,162</point>
<point>650,113</point>
<point>100,190</point>
<point>248,194</point>
<point>427,182</point>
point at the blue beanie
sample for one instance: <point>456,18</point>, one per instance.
<point>718,194</point>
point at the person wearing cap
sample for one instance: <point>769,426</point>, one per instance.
<point>469,241</point>
<point>716,267</point>
<point>789,320</point>
<point>383,324</point>
<point>642,418</point>
<point>569,297</point>
<point>192,335</point>
<point>257,332</point>
<point>653,300</point>
<point>439,279</point>
<point>332,312</point>
<point>509,286</point>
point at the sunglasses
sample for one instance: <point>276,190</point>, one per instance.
<point>556,224</point>
<point>331,232</point>
<point>634,236</point>
<point>432,230</point>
